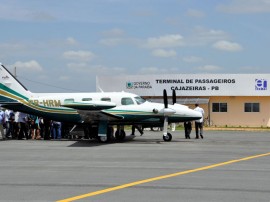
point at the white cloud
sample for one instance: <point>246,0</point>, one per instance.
<point>111,41</point>
<point>167,41</point>
<point>64,78</point>
<point>192,59</point>
<point>209,68</point>
<point>202,36</point>
<point>227,46</point>
<point>12,10</point>
<point>246,6</point>
<point>31,65</point>
<point>79,55</point>
<point>12,47</point>
<point>164,53</point>
<point>115,32</point>
<point>71,41</point>
<point>156,70</point>
<point>195,13</point>
<point>95,69</point>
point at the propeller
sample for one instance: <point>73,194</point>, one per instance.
<point>165,124</point>
<point>167,112</point>
<point>173,97</point>
<point>165,99</point>
<point>173,102</point>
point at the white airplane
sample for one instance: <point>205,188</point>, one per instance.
<point>99,110</point>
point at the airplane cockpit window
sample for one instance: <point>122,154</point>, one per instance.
<point>106,99</point>
<point>127,101</point>
<point>69,100</point>
<point>139,100</point>
<point>87,99</point>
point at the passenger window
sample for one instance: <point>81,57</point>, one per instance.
<point>106,99</point>
<point>87,99</point>
<point>127,101</point>
<point>69,100</point>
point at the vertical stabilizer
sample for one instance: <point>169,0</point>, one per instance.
<point>11,90</point>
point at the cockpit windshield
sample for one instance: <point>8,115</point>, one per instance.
<point>139,100</point>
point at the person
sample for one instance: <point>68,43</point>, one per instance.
<point>22,125</point>
<point>199,122</point>
<point>56,126</point>
<point>2,123</point>
<point>47,130</point>
<point>34,127</point>
<point>188,129</point>
<point>138,128</point>
<point>9,116</point>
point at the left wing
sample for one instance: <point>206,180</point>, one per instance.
<point>89,105</point>
<point>91,111</point>
<point>94,116</point>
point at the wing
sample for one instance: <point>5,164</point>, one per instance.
<point>97,115</point>
<point>91,111</point>
<point>90,105</point>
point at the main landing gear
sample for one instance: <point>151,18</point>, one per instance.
<point>119,134</point>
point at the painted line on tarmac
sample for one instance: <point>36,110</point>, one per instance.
<point>159,178</point>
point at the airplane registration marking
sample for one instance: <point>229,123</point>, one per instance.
<point>35,106</point>
<point>160,178</point>
<point>47,103</point>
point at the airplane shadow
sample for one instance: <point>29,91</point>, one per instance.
<point>96,143</point>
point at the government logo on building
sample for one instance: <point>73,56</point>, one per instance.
<point>260,84</point>
<point>129,85</point>
<point>138,85</point>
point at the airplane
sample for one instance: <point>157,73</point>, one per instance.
<point>101,110</point>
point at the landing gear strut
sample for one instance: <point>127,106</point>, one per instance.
<point>108,137</point>
<point>120,133</point>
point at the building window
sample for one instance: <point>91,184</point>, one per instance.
<point>219,107</point>
<point>252,107</point>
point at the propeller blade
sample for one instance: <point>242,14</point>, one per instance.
<point>165,98</point>
<point>174,96</point>
<point>165,126</point>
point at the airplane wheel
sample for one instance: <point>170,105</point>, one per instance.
<point>103,139</point>
<point>168,137</point>
<point>120,135</point>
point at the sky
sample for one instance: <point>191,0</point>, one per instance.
<point>61,46</point>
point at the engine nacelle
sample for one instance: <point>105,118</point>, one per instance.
<point>167,111</point>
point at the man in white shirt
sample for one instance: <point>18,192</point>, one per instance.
<point>199,123</point>
<point>2,122</point>
<point>9,117</point>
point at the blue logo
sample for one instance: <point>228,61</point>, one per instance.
<point>260,84</point>
<point>129,85</point>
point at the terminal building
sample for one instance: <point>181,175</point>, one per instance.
<point>229,100</point>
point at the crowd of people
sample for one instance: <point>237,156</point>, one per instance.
<point>18,125</point>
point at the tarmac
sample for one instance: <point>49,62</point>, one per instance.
<point>224,166</point>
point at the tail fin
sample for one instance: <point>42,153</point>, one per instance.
<point>11,90</point>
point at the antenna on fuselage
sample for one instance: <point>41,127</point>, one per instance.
<point>98,86</point>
